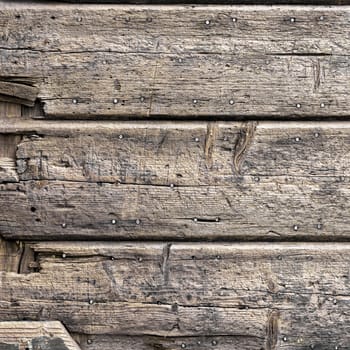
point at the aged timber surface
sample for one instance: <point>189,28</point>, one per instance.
<point>181,61</point>
<point>123,180</point>
<point>27,335</point>
<point>215,2</point>
<point>247,296</point>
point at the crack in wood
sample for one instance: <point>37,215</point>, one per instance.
<point>165,260</point>
<point>244,140</point>
<point>212,130</point>
<point>272,330</point>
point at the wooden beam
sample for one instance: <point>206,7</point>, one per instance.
<point>116,342</point>
<point>47,335</point>
<point>226,180</point>
<point>116,61</point>
<point>271,295</point>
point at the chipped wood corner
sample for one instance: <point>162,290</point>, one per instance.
<point>50,335</point>
<point>20,90</point>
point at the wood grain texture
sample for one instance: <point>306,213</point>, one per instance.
<point>113,342</point>
<point>238,294</point>
<point>8,142</point>
<point>215,2</point>
<point>118,180</point>
<point>180,61</point>
<point>35,336</point>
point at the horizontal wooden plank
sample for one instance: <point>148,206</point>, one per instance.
<point>113,342</point>
<point>181,61</point>
<point>182,154</point>
<point>114,180</point>
<point>280,295</point>
<point>216,2</point>
<point>47,335</point>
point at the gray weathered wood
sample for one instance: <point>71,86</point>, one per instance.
<point>215,2</point>
<point>182,154</point>
<point>18,93</point>
<point>35,336</point>
<point>262,292</point>
<point>180,60</point>
<point>8,142</point>
<point>113,342</point>
<point>178,181</point>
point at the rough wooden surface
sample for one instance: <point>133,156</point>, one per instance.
<point>215,2</point>
<point>35,336</point>
<point>238,294</point>
<point>179,61</point>
<point>178,181</point>
<point>110,342</point>
<point>8,142</point>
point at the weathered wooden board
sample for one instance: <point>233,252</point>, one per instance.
<point>260,294</point>
<point>35,336</point>
<point>182,154</point>
<point>216,2</point>
<point>113,342</point>
<point>179,61</point>
<point>178,181</point>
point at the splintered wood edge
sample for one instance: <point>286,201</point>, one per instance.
<point>52,333</point>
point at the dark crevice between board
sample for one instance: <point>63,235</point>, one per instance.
<point>17,256</point>
<point>202,118</point>
<point>199,2</point>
